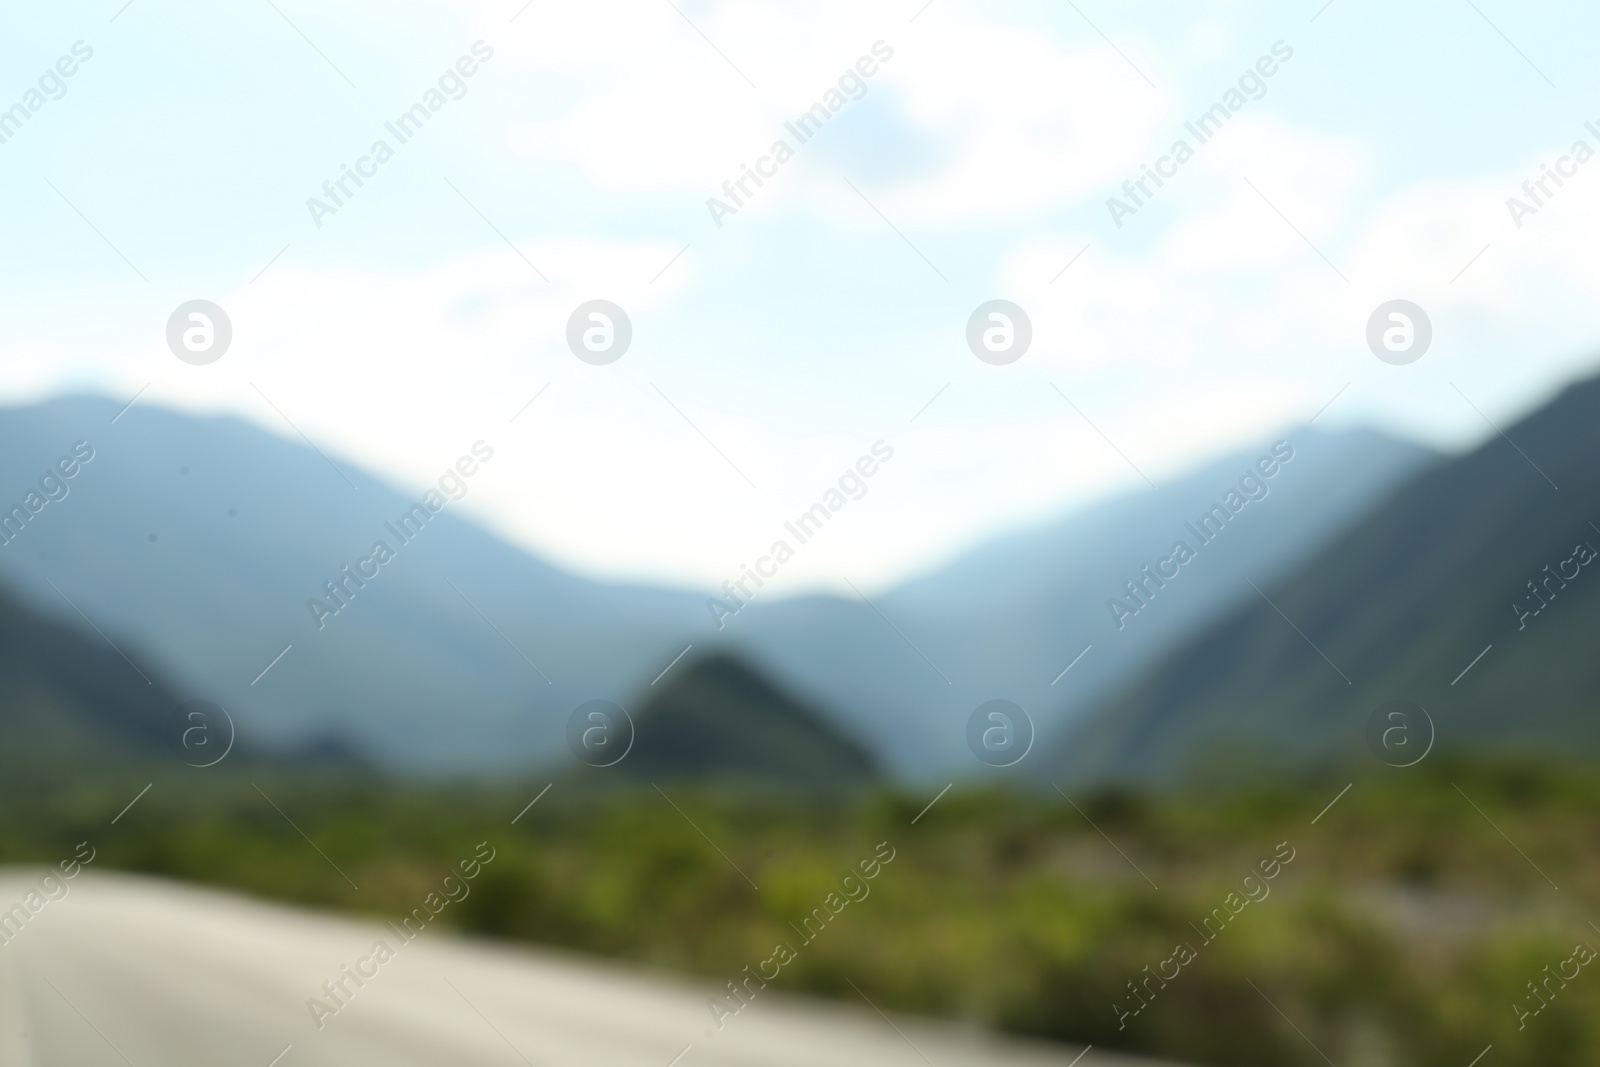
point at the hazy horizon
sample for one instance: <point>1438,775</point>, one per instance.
<point>480,509</point>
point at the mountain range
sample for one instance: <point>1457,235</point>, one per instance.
<point>196,543</point>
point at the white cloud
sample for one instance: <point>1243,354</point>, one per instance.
<point>1022,121</point>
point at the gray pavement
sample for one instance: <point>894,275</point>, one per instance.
<point>133,972</point>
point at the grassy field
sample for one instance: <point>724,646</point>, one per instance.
<point>1409,924</point>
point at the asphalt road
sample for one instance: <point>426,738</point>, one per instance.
<point>131,972</point>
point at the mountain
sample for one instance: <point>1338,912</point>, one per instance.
<point>1482,556</point>
<point>718,720</point>
<point>206,547</point>
<point>70,704</point>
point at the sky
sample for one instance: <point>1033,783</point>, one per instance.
<point>773,345</point>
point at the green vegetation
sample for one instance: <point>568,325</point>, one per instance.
<point>1403,930</point>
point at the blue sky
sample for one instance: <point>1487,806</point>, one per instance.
<point>776,349</point>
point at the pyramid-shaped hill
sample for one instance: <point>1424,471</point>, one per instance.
<point>720,721</point>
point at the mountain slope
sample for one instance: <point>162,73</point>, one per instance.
<point>70,703</point>
<point>1398,608</point>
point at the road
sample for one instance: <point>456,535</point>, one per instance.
<point>133,972</point>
